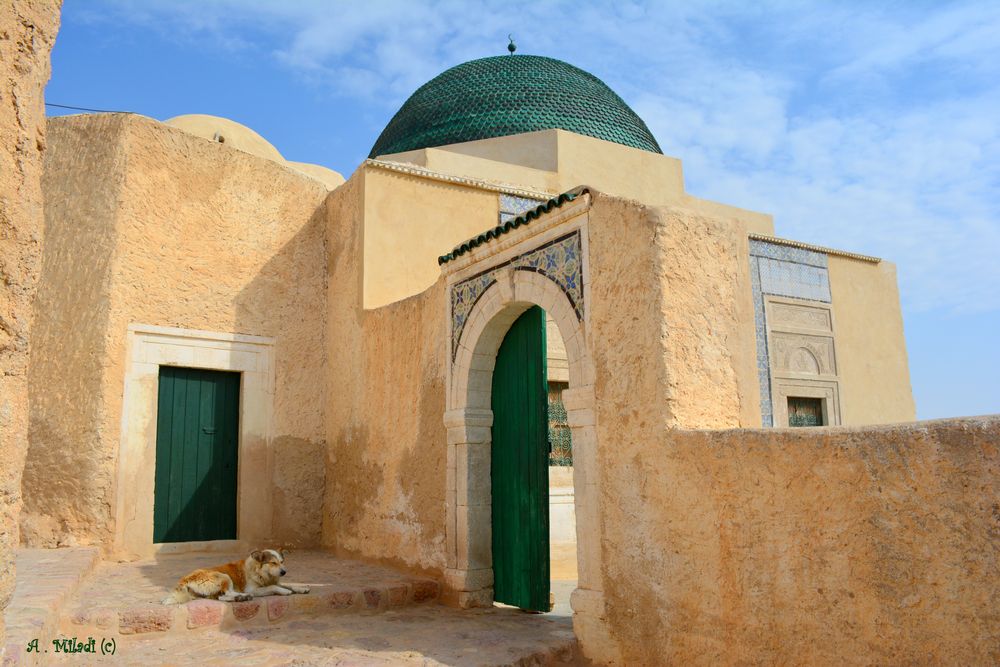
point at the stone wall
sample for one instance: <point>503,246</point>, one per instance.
<point>192,234</point>
<point>27,32</point>
<point>385,478</point>
<point>671,324</point>
<point>873,545</point>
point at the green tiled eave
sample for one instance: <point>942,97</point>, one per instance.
<point>498,231</point>
<point>505,95</point>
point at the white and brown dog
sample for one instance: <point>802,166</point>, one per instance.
<point>256,576</point>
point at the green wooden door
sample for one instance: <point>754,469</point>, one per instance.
<point>520,466</point>
<point>197,431</point>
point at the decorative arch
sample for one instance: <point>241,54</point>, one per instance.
<point>513,292</point>
<point>469,577</point>
<point>803,360</point>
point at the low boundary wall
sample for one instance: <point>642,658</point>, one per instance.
<point>876,545</point>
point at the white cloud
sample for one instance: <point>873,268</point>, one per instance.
<point>858,127</point>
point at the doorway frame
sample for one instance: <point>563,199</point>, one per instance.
<point>149,347</point>
<point>468,419</point>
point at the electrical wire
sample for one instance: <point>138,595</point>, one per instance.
<point>65,106</point>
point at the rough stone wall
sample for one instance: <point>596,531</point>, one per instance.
<point>671,321</point>
<point>385,479</point>
<point>873,545</point>
<point>27,32</point>
<point>707,320</point>
<point>187,233</point>
<point>66,463</point>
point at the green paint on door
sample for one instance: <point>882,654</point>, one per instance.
<point>197,431</point>
<point>520,466</point>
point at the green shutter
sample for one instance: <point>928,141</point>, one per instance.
<point>520,466</point>
<point>197,436</point>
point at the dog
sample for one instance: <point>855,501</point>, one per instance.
<point>256,576</point>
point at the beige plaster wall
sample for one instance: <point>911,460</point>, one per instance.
<point>552,161</point>
<point>538,151</point>
<point>871,348</point>
<point>241,137</point>
<point>791,546</point>
<point>557,161</point>
<point>193,235</point>
<point>754,222</point>
<point>27,32</point>
<point>557,365</point>
<point>671,319</point>
<point>408,223</point>
<point>385,477</point>
<point>70,451</point>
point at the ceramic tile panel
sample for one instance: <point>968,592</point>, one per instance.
<point>786,253</point>
<point>800,281</point>
<point>511,206</point>
<point>559,260</point>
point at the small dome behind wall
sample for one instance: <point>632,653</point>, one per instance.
<point>331,178</point>
<point>228,132</point>
<point>242,138</point>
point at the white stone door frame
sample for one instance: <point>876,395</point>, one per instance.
<point>149,347</point>
<point>469,576</point>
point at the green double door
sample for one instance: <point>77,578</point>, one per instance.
<point>520,466</point>
<point>197,434</point>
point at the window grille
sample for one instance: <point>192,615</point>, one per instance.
<point>560,446</point>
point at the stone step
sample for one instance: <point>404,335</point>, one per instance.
<point>46,580</point>
<point>197,614</point>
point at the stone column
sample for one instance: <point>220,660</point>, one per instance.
<point>469,577</point>
<point>27,32</point>
<point>589,617</point>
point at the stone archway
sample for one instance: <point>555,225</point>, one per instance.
<point>469,419</point>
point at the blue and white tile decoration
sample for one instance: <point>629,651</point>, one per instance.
<point>511,206</point>
<point>782,271</point>
<point>559,260</point>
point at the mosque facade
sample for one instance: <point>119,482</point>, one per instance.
<point>231,349</point>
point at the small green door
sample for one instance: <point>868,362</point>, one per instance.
<point>197,430</point>
<point>520,466</point>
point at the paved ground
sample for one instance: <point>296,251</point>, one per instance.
<point>147,582</point>
<point>424,635</point>
<point>66,593</point>
<point>46,580</point>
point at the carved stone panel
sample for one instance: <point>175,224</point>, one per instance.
<point>803,353</point>
<point>795,316</point>
<point>802,356</point>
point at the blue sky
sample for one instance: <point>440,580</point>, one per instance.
<point>871,127</point>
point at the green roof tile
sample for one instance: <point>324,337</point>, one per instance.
<point>501,229</point>
<point>504,95</point>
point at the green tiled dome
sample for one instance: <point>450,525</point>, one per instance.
<point>504,95</point>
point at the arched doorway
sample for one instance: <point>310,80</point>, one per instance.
<point>489,286</point>
<point>469,522</point>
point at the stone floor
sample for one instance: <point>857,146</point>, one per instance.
<point>125,597</point>
<point>420,635</point>
<point>356,614</point>
<point>46,580</point>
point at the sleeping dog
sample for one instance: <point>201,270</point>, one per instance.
<point>241,580</point>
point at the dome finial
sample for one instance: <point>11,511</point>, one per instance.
<point>512,47</point>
